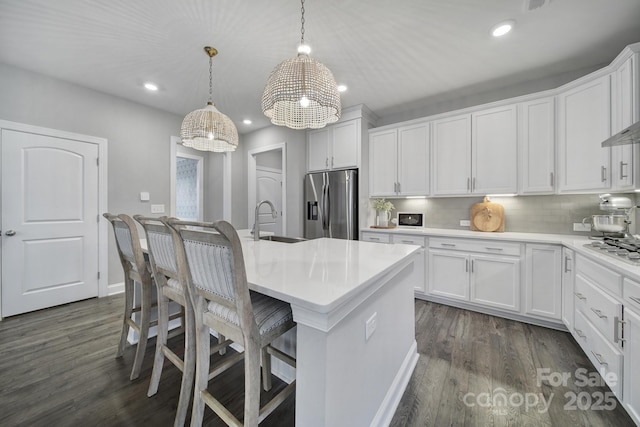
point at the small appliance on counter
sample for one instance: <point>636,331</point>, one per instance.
<point>410,220</point>
<point>615,240</point>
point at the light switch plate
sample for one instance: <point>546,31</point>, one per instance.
<point>465,223</point>
<point>144,196</point>
<point>157,209</point>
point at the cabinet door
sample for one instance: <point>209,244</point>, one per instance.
<point>543,284</point>
<point>449,274</point>
<point>631,381</point>
<point>624,103</point>
<point>536,136</point>
<point>413,160</point>
<point>383,161</point>
<point>451,156</point>
<point>317,150</point>
<point>494,151</point>
<point>583,123</point>
<point>344,145</point>
<point>419,275</point>
<point>495,281</point>
<point>568,284</point>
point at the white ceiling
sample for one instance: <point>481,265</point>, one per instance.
<point>390,53</point>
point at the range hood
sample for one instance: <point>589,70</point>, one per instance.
<point>630,135</point>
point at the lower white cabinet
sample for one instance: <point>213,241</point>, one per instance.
<point>568,283</point>
<point>631,381</point>
<point>481,278</point>
<point>543,281</point>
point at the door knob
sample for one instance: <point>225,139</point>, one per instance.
<point>10,233</point>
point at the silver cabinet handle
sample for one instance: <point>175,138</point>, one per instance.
<point>449,245</point>
<point>551,178</point>
<point>603,172</point>
<point>468,184</point>
<point>598,313</point>
<point>622,165</point>
<point>472,266</point>
<point>579,333</point>
<point>466,265</point>
<point>598,357</point>
<point>616,330</point>
<point>377,239</point>
<point>567,260</point>
<point>634,299</point>
<point>493,249</point>
<point>10,233</point>
<point>326,162</point>
<point>331,161</point>
<point>408,242</point>
<point>580,296</point>
<point>473,184</point>
<point>399,190</point>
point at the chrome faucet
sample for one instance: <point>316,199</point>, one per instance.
<point>256,224</point>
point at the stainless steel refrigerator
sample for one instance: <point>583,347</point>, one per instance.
<point>331,204</point>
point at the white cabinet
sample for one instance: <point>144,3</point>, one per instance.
<point>624,167</point>
<point>568,283</point>
<point>475,153</point>
<point>543,281</point>
<point>482,272</point>
<point>631,381</point>
<point>536,139</point>
<point>584,121</point>
<point>334,147</point>
<point>399,161</point>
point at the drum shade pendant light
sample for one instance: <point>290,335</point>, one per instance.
<point>301,93</point>
<point>207,129</point>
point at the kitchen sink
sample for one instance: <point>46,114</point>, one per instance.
<point>283,239</point>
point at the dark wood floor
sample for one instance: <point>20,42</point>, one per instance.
<point>57,368</point>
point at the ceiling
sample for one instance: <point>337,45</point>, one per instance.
<point>390,54</point>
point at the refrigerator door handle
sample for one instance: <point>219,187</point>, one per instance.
<point>325,208</point>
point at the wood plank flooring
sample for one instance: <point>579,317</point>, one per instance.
<point>57,368</point>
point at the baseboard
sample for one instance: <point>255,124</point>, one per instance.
<point>115,288</point>
<point>391,401</point>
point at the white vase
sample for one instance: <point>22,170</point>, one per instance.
<point>383,218</point>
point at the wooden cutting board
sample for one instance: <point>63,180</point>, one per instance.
<point>487,216</point>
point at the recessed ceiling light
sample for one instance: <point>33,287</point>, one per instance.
<point>247,121</point>
<point>502,28</point>
<point>150,86</point>
<point>342,88</point>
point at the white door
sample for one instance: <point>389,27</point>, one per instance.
<point>269,187</point>
<point>49,221</point>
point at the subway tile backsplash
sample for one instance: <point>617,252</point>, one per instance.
<point>531,214</point>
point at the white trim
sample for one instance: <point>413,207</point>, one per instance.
<point>102,143</point>
<point>251,181</point>
<point>173,150</point>
<point>226,186</point>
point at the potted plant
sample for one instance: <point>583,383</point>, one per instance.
<point>383,208</point>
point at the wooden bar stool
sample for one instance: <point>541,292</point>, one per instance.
<point>136,270</point>
<point>211,263</point>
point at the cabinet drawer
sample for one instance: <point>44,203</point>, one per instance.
<point>631,292</point>
<point>409,239</point>
<point>376,237</point>
<point>602,354</point>
<point>482,246</point>
<point>601,309</point>
<point>601,276</point>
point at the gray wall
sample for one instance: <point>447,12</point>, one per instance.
<point>138,136</point>
<point>296,168</point>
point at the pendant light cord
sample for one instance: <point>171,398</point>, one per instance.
<point>210,80</point>
<point>302,24</point>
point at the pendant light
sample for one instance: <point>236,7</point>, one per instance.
<point>301,93</point>
<point>207,129</point>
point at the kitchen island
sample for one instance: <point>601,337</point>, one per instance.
<point>354,308</point>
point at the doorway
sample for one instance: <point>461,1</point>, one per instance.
<point>267,179</point>
<point>53,243</point>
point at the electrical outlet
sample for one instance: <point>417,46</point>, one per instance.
<point>578,226</point>
<point>157,209</point>
<point>370,326</point>
<point>465,223</point>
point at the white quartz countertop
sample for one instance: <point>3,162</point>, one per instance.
<point>320,274</point>
<point>574,242</point>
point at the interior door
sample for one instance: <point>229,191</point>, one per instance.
<point>269,187</point>
<point>49,221</point>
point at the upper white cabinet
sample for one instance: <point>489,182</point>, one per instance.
<point>537,146</point>
<point>399,161</point>
<point>624,102</point>
<point>584,121</point>
<point>475,153</point>
<point>334,147</point>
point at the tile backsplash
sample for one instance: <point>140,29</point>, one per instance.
<point>532,214</point>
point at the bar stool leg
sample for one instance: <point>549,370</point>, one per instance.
<point>128,309</point>
<point>161,342</point>
<point>203,348</point>
<point>145,316</point>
